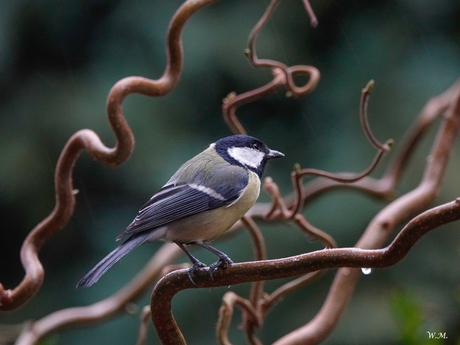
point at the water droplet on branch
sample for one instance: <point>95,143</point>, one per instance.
<point>366,270</point>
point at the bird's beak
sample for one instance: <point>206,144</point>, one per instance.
<point>274,154</point>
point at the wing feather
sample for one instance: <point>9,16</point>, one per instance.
<point>174,202</point>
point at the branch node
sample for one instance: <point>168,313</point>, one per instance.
<point>5,295</point>
<point>131,308</point>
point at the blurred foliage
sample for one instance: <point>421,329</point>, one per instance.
<point>58,61</point>
<point>411,320</point>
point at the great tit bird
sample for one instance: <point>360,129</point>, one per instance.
<point>203,199</point>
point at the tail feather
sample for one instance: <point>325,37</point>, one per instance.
<point>106,263</point>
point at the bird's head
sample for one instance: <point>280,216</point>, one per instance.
<point>245,151</point>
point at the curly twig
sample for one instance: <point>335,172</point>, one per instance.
<point>431,111</point>
<point>279,208</point>
<point>287,288</point>
<point>144,319</point>
<point>87,139</point>
<point>251,321</point>
<point>260,250</point>
<point>384,187</point>
<point>298,174</point>
<point>104,309</point>
<point>229,300</point>
<point>269,300</point>
<point>282,75</point>
<point>383,224</point>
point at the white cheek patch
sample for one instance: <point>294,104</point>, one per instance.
<point>246,156</point>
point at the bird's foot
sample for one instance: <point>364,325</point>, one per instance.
<point>222,264</point>
<point>197,265</point>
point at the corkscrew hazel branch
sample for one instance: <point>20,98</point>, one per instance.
<point>433,108</point>
<point>282,75</point>
<point>401,209</point>
<point>238,273</point>
<point>384,188</point>
<point>89,140</point>
<point>229,301</point>
<point>279,208</point>
<point>106,308</point>
<point>329,315</point>
<point>143,325</point>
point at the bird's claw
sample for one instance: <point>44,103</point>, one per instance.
<point>222,264</point>
<point>195,267</point>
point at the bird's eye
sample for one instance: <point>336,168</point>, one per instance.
<point>255,146</point>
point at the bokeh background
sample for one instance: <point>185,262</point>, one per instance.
<point>58,61</point>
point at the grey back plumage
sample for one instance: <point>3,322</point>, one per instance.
<point>181,198</point>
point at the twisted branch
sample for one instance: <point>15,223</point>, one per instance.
<point>279,208</point>
<point>382,188</point>
<point>309,264</point>
<point>441,150</point>
<point>385,222</point>
<point>238,273</point>
<point>87,139</point>
<point>104,309</point>
<point>144,319</point>
<point>282,75</point>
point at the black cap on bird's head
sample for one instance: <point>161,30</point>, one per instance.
<point>245,151</point>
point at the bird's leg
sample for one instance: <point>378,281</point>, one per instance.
<point>223,262</point>
<point>196,264</point>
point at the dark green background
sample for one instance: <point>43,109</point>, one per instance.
<point>58,61</point>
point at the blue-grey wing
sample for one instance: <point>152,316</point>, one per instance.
<point>174,202</point>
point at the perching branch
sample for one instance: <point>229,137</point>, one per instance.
<point>238,273</point>
<point>445,140</point>
<point>279,211</point>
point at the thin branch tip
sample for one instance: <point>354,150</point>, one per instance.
<point>229,97</point>
<point>297,168</point>
<point>369,86</point>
